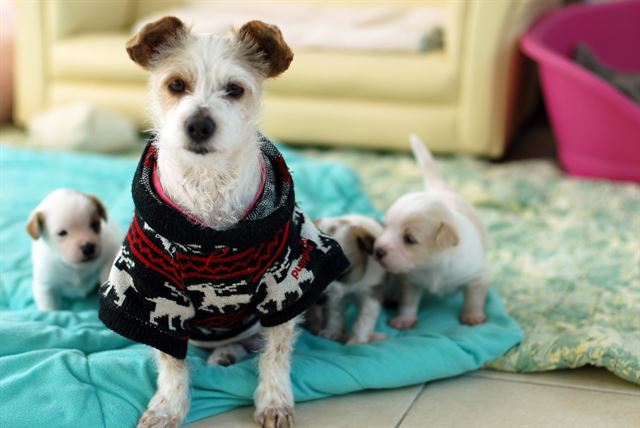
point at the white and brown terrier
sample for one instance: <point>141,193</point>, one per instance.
<point>364,281</point>
<point>434,240</point>
<point>74,245</point>
<point>207,185</point>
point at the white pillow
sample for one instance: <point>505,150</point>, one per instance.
<point>372,28</point>
<point>82,126</point>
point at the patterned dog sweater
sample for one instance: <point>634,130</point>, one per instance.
<point>175,280</point>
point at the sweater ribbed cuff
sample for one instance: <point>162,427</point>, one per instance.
<point>139,331</point>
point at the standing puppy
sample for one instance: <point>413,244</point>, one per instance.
<point>436,240</point>
<point>364,280</point>
<point>73,246</point>
<point>217,246</point>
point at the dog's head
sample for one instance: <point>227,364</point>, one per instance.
<point>70,222</point>
<point>205,89</point>
<point>356,235</point>
<point>419,229</point>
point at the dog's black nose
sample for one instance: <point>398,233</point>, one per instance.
<point>88,249</point>
<point>200,127</point>
<point>380,253</point>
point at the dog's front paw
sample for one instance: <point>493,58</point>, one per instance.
<point>403,322</point>
<point>275,417</point>
<point>472,318</point>
<point>153,418</point>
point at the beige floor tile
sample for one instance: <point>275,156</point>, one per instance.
<point>369,409</point>
<point>470,401</point>
<point>590,378</point>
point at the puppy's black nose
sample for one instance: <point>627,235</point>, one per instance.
<point>200,127</point>
<point>88,249</point>
<point>380,253</point>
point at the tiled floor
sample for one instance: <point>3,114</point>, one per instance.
<point>585,398</point>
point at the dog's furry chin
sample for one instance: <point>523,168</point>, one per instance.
<point>216,187</point>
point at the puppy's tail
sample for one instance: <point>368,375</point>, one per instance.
<point>430,172</point>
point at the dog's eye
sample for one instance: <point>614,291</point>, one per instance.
<point>95,226</point>
<point>62,233</point>
<point>234,91</point>
<point>177,86</point>
<point>409,239</point>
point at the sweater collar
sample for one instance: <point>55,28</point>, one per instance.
<point>177,226</point>
<point>157,187</point>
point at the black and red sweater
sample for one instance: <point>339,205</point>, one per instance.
<point>175,280</point>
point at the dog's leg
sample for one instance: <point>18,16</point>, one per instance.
<point>227,354</point>
<point>46,299</point>
<point>409,303</point>
<point>274,397</point>
<point>362,332</point>
<point>475,295</point>
<point>170,403</point>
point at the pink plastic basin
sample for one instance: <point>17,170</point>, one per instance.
<point>597,127</point>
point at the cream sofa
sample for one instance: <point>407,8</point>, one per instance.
<point>464,98</point>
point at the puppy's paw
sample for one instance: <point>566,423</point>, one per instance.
<point>153,418</point>
<point>472,318</point>
<point>354,340</point>
<point>331,334</point>
<point>403,322</point>
<point>376,336</point>
<point>373,337</point>
<point>275,417</point>
<point>227,354</point>
<point>222,359</point>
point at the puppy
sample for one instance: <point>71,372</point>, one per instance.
<point>73,246</point>
<point>217,247</point>
<point>436,241</point>
<point>364,280</point>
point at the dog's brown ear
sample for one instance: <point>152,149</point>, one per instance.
<point>35,225</point>
<point>267,42</point>
<point>365,239</point>
<point>100,209</point>
<point>147,42</point>
<point>446,236</point>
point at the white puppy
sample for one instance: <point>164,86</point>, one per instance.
<point>436,241</point>
<point>73,246</point>
<point>364,280</point>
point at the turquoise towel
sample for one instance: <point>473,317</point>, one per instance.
<point>64,368</point>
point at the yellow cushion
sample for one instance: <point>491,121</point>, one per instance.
<point>379,76</point>
<point>390,76</point>
<point>95,56</point>
<point>355,123</point>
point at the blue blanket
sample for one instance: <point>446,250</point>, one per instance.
<point>64,368</point>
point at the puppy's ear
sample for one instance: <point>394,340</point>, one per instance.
<point>100,209</point>
<point>152,37</point>
<point>268,51</point>
<point>35,225</point>
<point>446,236</point>
<point>364,239</point>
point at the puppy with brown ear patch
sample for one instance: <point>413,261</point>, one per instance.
<point>364,280</point>
<point>436,241</point>
<point>74,246</point>
<point>218,251</point>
